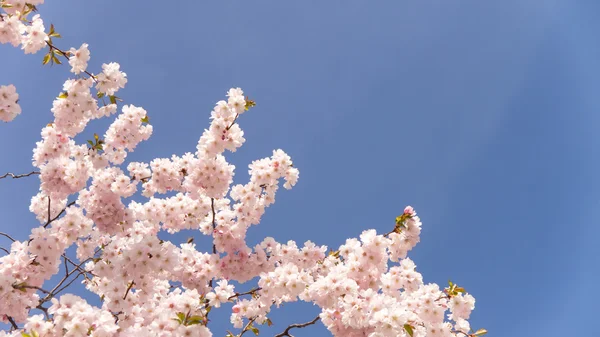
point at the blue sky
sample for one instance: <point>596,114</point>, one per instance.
<point>482,115</point>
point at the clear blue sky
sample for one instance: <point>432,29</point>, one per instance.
<point>483,115</point>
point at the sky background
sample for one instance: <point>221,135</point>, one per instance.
<point>483,115</point>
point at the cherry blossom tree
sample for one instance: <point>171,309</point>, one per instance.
<point>152,287</point>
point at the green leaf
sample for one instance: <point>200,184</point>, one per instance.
<point>409,329</point>
<point>25,334</point>
<point>46,59</point>
<point>99,94</point>
<point>55,59</point>
<point>195,320</point>
<point>249,104</point>
<point>113,99</point>
<point>180,317</point>
<point>91,143</point>
<point>480,332</point>
<point>34,333</point>
<point>63,95</point>
<point>460,289</point>
<point>7,6</point>
<point>146,119</point>
<point>269,322</point>
<point>255,330</point>
<point>96,137</point>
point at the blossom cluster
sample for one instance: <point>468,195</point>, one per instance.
<point>151,286</point>
<point>9,106</point>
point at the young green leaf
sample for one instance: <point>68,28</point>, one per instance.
<point>480,332</point>
<point>409,329</point>
<point>195,320</point>
<point>46,59</point>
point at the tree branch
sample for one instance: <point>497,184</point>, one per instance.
<point>59,214</point>
<point>128,288</point>
<point>16,176</point>
<point>12,322</point>
<point>66,55</point>
<point>302,325</point>
<point>249,292</point>
<point>247,327</point>
<point>8,236</point>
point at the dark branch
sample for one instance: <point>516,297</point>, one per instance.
<point>247,327</point>
<point>235,119</point>
<point>249,292</point>
<point>8,236</point>
<point>302,325</point>
<point>12,322</point>
<point>16,176</point>
<point>59,214</point>
<point>128,288</point>
<point>49,215</point>
<point>66,55</point>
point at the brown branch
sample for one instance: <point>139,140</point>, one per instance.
<point>214,226</point>
<point>57,288</point>
<point>247,327</point>
<point>32,287</point>
<point>8,236</point>
<point>12,322</point>
<point>59,214</point>
<point>66,266</point>
<point>249,292</point>
<point>128,288</point>
<point>235,119</point>
<point>66,55</point>
<point>44,310</point>
<point>16,176</point>
<point>4,249</point>
<point>214,248</point>
<point>302,325</point>
<point>49,215</point>
<point>68,284</point>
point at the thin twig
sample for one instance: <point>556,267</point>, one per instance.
<point>44,310</point>
<point>68,284</point>
<point>34,287</point>
<point>247,327</point>
<point>249,292</point>
<point>56,289</point>
<point>63,53</point>
<point>66,266</point>
<point>8,236</point>
<point>49,215</point>
<point>235,119</point>
<point>59,214</point>
<point>16,176</point>
<point>128,288</point>
<point>302,325</point>
<point>4,249</point>
<point>214,248</point>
